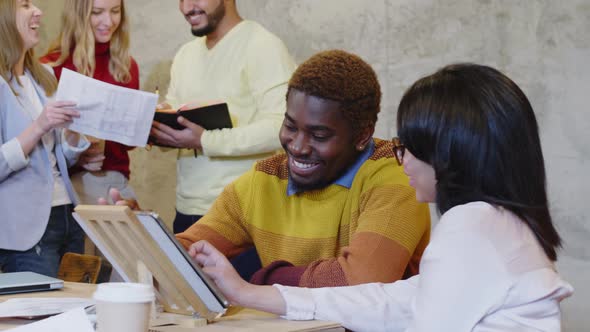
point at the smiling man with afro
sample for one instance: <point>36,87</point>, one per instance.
<point>335,208</point>
<point>345,78</point>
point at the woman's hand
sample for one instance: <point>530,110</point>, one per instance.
<point>56,114</point>
<point>219,269</point>
<point>93,157</point>
<point>117,199</point>
<point>237,291</point>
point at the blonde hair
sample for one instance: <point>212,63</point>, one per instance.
<point>76,34</point>
<point>12,48</point>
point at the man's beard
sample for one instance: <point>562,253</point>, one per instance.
<point>213,20</point>
<point>299,187</point>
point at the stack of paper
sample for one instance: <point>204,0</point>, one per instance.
<point>108,111</point>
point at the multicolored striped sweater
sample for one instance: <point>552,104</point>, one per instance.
<point>375,231</point>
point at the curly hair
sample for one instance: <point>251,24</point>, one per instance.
<point>345,78</point>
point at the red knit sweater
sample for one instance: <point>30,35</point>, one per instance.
<point>116,156</point>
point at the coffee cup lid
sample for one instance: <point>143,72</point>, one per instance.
<point>124,292</point>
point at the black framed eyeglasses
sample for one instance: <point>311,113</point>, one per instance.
<point>398,150</point>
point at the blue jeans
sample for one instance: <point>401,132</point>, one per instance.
<point>63,234</point>
<point>246,263</point>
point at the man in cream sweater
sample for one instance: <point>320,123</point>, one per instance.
<point>232,60</point>
<point>238,62</point>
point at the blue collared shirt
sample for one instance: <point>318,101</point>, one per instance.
<point>346,179</point>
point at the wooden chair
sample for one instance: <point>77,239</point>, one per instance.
<point>79,268</point>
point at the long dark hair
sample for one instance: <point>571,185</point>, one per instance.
<point>479,132</point>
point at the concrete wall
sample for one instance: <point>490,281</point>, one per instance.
<point>544,45</point>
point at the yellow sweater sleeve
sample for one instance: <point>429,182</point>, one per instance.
<point>222,226</point>
<point>391,227</point>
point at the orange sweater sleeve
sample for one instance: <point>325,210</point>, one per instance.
<point>392,228</point>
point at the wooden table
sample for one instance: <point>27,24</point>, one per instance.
<point>237,319</point>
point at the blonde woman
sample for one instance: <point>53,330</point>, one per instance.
<point>94,41</point>
<point>36,196</point>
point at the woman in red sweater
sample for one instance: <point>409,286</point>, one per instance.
<point>94,41</point>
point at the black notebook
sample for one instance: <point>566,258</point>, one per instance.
<point>210,117</point>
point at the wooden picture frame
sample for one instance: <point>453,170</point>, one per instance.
<point>127,239</point>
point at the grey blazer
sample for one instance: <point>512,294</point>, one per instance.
<point>26,189</point>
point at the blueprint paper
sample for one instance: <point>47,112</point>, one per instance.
<point>108,111</point>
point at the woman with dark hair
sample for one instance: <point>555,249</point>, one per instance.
<point>469,142</point>
<point>475,127</point>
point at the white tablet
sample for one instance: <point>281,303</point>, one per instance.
<point>190,271</point>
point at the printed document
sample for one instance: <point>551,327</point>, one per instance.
<point>72,321</point>
<point>108,111</point>
<point>41,306</point>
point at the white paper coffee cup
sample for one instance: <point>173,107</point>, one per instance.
<point>98,145</point>
<point>123,307</point>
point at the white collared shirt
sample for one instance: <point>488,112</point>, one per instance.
<point>483,270</point>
